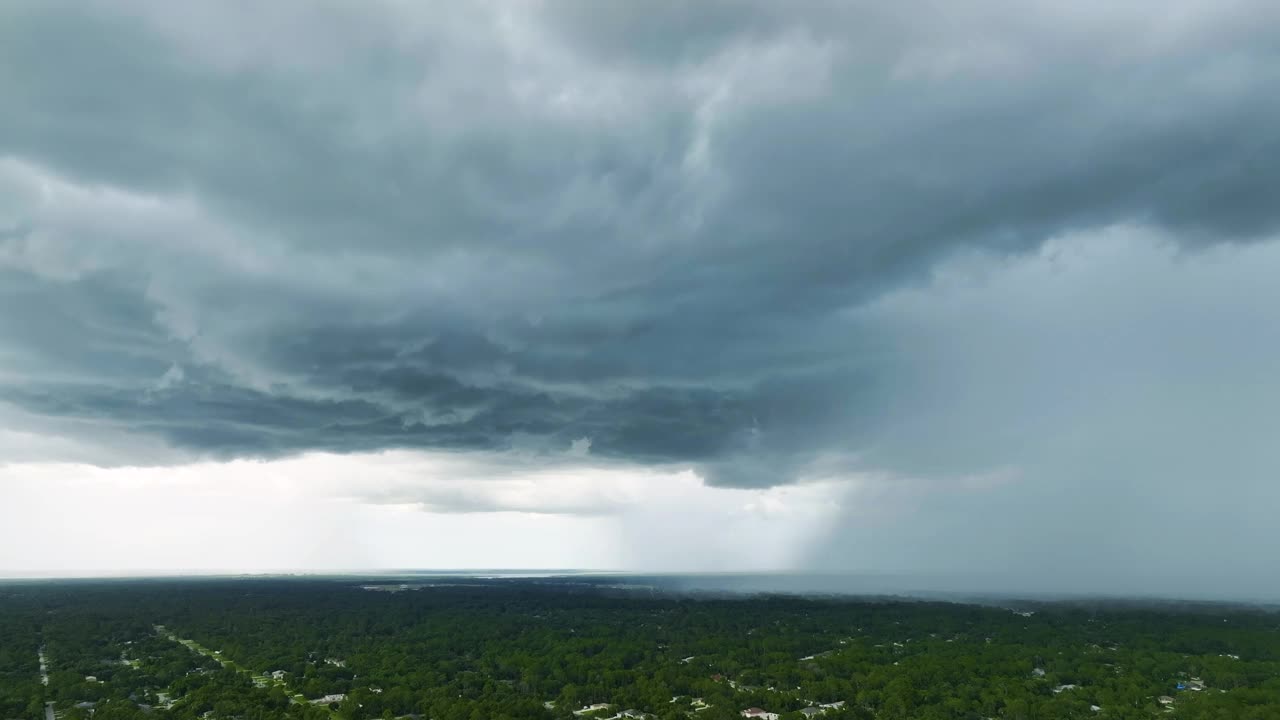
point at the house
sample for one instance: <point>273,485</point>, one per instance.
<point>90,678</point>
<point>591,708</point>
<point>327,699</point>
<point>758,713</point>
<point>1038,672</point>
<point>1061,688</point>
<point>1164,700</point>
<point>811,711</point>
<point>278,674</point>
<point>832,705</point>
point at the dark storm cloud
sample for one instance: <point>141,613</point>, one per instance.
<point>256,232</point>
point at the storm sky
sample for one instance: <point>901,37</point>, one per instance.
<point>925,287</point>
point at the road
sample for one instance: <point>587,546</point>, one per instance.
<point>196,647</point>
<point>44,680</point>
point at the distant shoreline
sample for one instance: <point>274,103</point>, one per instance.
<point>975,589</point>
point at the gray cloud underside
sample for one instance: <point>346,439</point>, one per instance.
<point>348,228</point>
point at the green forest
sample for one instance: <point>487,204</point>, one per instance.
<point>470,649</point>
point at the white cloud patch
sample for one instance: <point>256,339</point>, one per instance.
<point>171,378</point>
<point>395,510</point>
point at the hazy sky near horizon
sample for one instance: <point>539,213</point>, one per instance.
<point>984,288</point>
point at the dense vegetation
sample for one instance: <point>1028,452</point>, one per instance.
<point>472,650</point>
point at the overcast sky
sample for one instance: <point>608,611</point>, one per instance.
<point>923,287</point>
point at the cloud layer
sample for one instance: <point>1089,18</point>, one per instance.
<point>662,234</point>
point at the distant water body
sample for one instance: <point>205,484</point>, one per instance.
<point>939,586</point>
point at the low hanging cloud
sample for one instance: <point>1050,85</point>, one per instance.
<point>662,234</point>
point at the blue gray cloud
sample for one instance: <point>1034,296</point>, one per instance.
<point>248,232</point>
